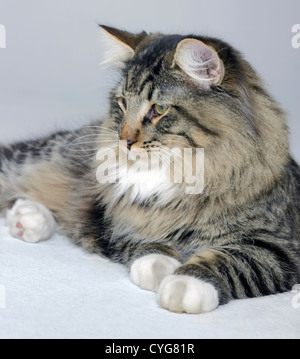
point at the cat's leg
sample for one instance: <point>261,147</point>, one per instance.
<point>178,293</point>
<point>30,221</point>
<point>43,173</point>
<point>157,267</point>
<point>217,276</point>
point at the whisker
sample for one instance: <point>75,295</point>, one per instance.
<point>77,139</point>
<point>101,128</point>
<point>84,155</point>
<point>83,150</point>
<point>91,148</point>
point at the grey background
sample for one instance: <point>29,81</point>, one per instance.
<point>50,73</point>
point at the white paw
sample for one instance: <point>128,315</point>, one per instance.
<point>184,294</point>
<point>31,222</point>
<point>148,272</point>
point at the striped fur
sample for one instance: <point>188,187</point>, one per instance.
<point>242,234</point>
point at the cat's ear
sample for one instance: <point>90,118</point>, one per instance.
<point>199,61</point>
<point>121,45</point>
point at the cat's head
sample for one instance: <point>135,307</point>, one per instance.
<point>197,92</point>
<point>163,78</point>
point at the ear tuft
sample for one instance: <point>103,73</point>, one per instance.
<point>199,61</point>
<point>121,45</point>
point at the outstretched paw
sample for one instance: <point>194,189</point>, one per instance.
<point>185,294</point>
<point>31,222</point>
<point>147,272</point>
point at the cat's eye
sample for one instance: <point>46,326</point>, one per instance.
<point>122,103</point>
<point>161,109</point>
<point>155,113</point>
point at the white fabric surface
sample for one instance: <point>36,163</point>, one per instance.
<point>56,290</point>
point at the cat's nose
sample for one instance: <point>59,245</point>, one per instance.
<point>130,143</point>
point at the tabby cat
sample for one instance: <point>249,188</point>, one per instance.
<point>238,238</point>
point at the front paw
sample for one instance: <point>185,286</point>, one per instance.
<point>185,294</point>
<point>148,272</point>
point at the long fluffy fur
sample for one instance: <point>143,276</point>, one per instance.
<point>241,234</point>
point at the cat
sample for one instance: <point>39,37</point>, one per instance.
<point>238,238</point>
